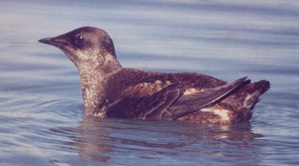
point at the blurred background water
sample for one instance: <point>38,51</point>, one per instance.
<point>41,108</point>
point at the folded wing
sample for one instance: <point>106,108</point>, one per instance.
<point>170,103</point>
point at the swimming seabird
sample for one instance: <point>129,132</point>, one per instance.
<point>112,91</point>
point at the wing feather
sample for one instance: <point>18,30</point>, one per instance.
<point>158,101</point>
<point>145,107</point>
<point>195,101</point>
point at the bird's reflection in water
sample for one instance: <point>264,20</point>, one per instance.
<point>101,140</point>
<point>94,142</point>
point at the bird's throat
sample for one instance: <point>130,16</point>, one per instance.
<point>93,87</point>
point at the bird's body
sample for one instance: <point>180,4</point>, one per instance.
<point>110,90</point>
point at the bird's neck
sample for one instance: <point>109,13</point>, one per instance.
<point>93,81</point>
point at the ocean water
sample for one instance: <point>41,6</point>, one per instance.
<point>41,107</point>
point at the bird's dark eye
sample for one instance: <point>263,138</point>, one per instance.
<point>79,39</point>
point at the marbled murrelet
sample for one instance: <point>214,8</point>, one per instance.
<point>110,90</point>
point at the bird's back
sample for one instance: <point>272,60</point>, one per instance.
<point>175,93</point>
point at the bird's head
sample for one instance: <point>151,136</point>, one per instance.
<point>86,46</point>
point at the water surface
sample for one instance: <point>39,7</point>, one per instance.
<point>41,108</point>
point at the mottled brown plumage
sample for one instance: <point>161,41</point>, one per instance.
<point>109,90</point>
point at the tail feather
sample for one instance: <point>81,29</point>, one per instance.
<point>236,107</point>
<point>243,102</point>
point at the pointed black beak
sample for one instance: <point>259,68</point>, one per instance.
<point>55,41</point>
<point>47,41</point>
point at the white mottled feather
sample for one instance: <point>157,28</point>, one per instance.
<point>222,113</point>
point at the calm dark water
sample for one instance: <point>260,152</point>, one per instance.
<point>41,108</point>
